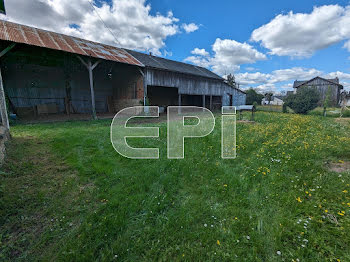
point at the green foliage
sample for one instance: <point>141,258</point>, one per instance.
<point>2,7</point>
<point>253,96</point>
<point>305,100</point>
<point>284,108</point>
<point>231,80</point>
<point>268,96</point>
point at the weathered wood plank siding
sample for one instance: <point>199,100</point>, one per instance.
<point>194,85</point>
<point>322,87</point>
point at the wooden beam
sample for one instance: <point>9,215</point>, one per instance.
<point>91,79</point>
<point>3,109</point>
<point>90,67</point>
<point>179,103</point>
<point>144,91</point>
<point>7,49</point>
<point>82,61</point>
<point>211,102</point>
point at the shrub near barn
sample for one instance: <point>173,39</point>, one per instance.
<point>305,100</point>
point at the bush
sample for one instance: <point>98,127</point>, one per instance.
<point>253,96</point>
<point>303,101</point>
<point>284,108</point>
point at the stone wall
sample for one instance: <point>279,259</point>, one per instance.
<point>4,137</point>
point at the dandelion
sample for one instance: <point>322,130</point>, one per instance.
<point>299,200</point>
<point>278,252</point>
<point>342,213</point>
<point>218,242</point>
<point>345,191</point>
<point>326,211</point>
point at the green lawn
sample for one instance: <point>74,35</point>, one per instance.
<point>66,195</point>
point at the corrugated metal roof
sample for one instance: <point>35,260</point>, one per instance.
<point>171,65</point>
<point>37,37</point>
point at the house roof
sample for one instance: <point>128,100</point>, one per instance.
<point>37,37</point>
<point>331,81</point>
<point>171,65</point>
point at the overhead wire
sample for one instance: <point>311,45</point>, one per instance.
<point>105,25</point>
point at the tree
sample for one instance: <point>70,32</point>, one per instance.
<point>231,80</point>
<point>305,100</point>
<point>253,96</point>
<point>268,96</point>
<point>2,7</point>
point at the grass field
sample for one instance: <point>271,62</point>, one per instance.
<point>330,111</point>
<point>66,195</point>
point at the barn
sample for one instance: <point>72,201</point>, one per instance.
<point>170,82</point>
<point>325,87</point>
<point>46,73</point>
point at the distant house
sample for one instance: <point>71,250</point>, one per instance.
<point>275,100</point>
<point>323,86</point>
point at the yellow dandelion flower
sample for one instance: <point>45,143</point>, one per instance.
<point>218,242</point>
<point>299,200</point>
<point>341,213</point>
<point>326,211</point>
<point>345,191</point>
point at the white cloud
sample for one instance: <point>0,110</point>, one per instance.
<point>252,78</point>
<point>130,20</point>
<point>228,56</point>
<point>301,34</point>
<point>277,76</point>
<point>347,45</point>
<point>189,28</point>
<point>250,68</point>
<point>201,52</point>
<point>340,75</point>
<point>295,73</point>
<point>283,79</point>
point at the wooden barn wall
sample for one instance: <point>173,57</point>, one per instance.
<point>30,85</point>
<point>322,87</point>
<point>191,85</point>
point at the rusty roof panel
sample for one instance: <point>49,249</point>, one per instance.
<point>37,37</point>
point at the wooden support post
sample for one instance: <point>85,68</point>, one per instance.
<point>91,79</point>
<point>3,109</point>
<point>203,101</point>
<point>144,91</point>
<point>179,111</point>
<point>90,67</point>
<point>7,49</point>
<point>211,102</point>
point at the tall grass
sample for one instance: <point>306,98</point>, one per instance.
<point>67,195</point>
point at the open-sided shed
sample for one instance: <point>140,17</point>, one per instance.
<point>49,73</point>
<point>167,81</point>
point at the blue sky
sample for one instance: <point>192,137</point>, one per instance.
<point>237,20</point>
<point>265,44</point>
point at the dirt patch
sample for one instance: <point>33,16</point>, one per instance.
<point>246,122</point>
<point>42,195</point>
<point>344,121</point>
<point>340,167</point>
